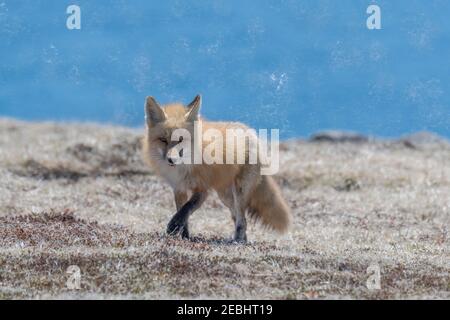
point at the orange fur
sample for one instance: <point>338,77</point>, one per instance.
<point>241,187</point>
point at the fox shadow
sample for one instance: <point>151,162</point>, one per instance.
<point>213,241</point>
<point>217,241</point>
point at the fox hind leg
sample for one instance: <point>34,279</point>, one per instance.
<point>230,199</point>
<point>226,196</point>
<point>241,190</point>
<point>236,198</point>
<point>238,211</point>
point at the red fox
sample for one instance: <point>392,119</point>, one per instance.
<point>241,187</point>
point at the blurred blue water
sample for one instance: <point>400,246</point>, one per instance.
<point>300,66</point>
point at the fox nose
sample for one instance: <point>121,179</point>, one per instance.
<point>171,162</point>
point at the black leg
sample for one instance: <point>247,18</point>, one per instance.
<point>179,222</point>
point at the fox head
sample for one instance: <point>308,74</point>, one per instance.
<point>166,126</point>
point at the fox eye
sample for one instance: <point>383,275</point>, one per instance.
<point>163,140</point>
<point>181,139</point>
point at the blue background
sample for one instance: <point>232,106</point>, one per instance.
<point>301,66</point>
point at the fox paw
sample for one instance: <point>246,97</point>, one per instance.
<point>175,228</point>
<point>240,239</point>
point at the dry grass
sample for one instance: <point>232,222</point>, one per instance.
<point>75,194</point>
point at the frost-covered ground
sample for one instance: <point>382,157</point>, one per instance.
<point>79,194</point>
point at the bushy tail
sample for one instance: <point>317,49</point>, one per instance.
<point>268,206</point>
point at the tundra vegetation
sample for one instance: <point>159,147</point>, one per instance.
<point>80,195</point>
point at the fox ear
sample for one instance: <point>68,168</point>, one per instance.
<point>153,112</point>
<point>194,108</point>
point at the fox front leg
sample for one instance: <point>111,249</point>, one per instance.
<point>180,200</point>
<point>178,224</point>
